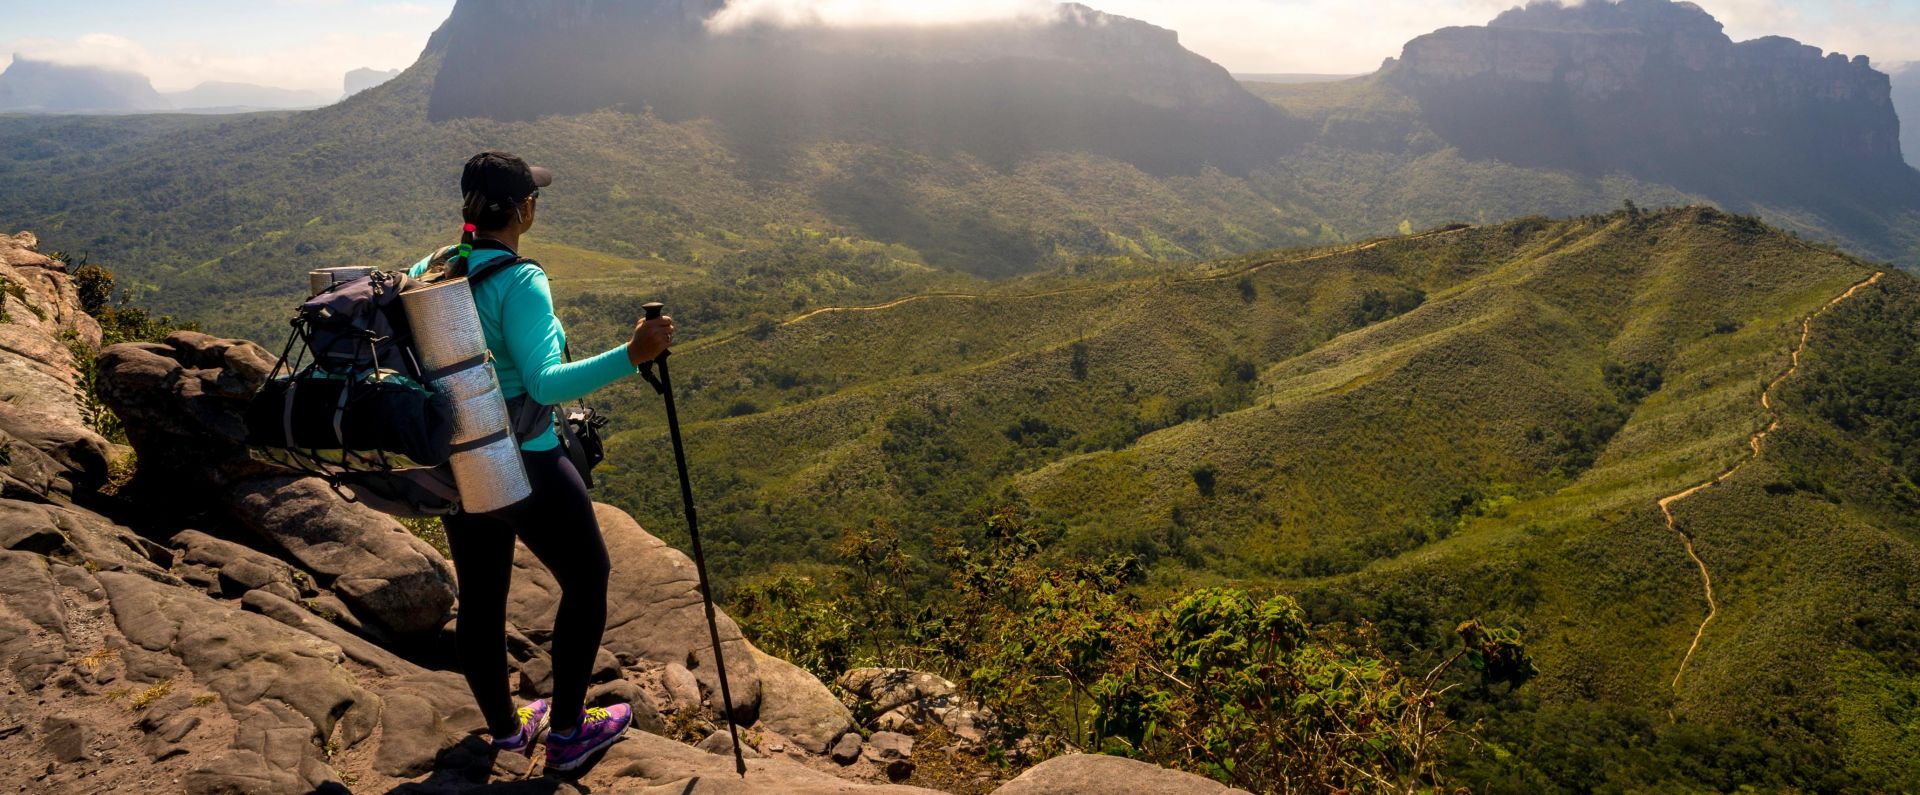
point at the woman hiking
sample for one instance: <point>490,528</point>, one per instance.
<point>501,195</point>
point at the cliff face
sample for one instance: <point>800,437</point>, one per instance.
<point>1651,86</point>
<point>1080,80</point>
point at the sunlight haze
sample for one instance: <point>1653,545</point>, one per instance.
<point>309,44</point>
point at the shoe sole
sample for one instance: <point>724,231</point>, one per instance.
<point>587,754</point>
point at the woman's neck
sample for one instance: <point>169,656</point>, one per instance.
<point>505,237</point>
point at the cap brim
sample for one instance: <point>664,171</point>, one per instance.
<point>541,177</point>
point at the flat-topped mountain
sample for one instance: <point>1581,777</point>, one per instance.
<point>38,85</point>
<point>1077,79</point>
<point>1649,86</point>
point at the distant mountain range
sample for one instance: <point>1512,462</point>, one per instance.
<point>38,86</point>
<point>1081,143</point>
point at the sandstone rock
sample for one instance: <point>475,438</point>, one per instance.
<point>1093,774</point>
<point>66,738</point>
<point>646,716</point>
<point>164,741</point>
<point>359,649</point>
<point>242,772</point>
<point>386,575</point>
<point>643,764</point>
<point>888,688</point>
<point>38,380</point>
<point>883,746</point>
<point>285,688</point>
<point>721,743</point>
<point>681,687</point>
<point>794,703</point>
<point>80,454</point>
<point>654,610</point>
<point>428,717</point>
<point>182,402</point>
<point>846,750</point>
<point>238,568</point>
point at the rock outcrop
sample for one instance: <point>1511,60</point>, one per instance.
<point>1649,86</point>
<point>251,636</point>
<point>1091,774</point>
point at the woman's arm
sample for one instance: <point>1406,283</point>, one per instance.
<point>536,341</point>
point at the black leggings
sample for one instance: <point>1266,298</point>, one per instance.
<point>557,524</point>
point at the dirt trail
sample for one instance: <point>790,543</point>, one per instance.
<point>828,310</point>
<point>1756,442</point>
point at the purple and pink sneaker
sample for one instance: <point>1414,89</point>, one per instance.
<point>599,728</point>
<point>533,720</point>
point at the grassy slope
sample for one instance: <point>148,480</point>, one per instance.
<point>1469,456</point>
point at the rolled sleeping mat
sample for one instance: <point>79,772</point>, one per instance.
<point>473,381</point>
<point>318,281</point>
<point>478,417</point>
<point>446,332</point>
<point>446,326</point>
<point>497,463</point>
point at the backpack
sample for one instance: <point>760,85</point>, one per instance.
<point>349,402</point>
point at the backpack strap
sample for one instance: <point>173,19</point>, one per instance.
<point>493,269</point>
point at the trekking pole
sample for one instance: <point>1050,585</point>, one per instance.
<point>664,385</point>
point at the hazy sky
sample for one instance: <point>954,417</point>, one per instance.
<point>310,44</point>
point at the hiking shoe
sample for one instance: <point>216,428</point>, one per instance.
<point>599,728</point>
<point>533,720</point>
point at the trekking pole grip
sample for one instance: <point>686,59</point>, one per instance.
<point>654,310</point>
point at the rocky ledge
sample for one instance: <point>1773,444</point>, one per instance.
<point>220,626</point>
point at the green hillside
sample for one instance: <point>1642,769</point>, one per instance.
<point>1467,422</point>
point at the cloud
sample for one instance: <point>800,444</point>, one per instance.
<point>317,63</point>
<point>1347,36</point>
<point>876,13</point>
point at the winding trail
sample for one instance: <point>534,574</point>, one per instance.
<point>1755,442</point>
<point>829,310</point>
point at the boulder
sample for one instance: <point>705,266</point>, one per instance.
<point>889,688</point>
<point>654,611</point>
<point>883,746</point>
<point>237,568</point>
<point>794,703</point>
<point>80,454</point>
<point>386,575</point>
<point>643,764</point>
<point>1094,774</point>
<point>182,402</point>
<point>66,738</point>
<point>721,743</point>
<point>682,689</point>
<point>846,750</point>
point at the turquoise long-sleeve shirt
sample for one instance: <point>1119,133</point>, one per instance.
<point>528,342</point>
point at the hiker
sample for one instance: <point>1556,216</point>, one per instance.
<point>501,196</point>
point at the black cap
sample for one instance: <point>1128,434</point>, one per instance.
<point>502,178</point>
